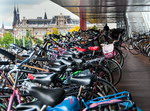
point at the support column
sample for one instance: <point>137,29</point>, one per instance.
<point>82,23</point>
<point>82,16</point>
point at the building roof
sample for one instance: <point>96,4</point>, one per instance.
<point>38,21</point>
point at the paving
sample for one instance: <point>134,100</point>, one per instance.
<point>136,79</point>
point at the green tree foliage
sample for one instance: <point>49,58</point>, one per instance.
<point>9,39</point>
<point>94,27</point>
<point>27,42</point>
<point>38,41</point>
<point>55,31</point>
<point>1,42</point>
<point>6,40</point>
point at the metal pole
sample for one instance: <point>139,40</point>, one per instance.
<point>128,25</point>
<point>14,37</point>
<point>23,39</point>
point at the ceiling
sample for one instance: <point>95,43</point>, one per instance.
<point>102,11</point>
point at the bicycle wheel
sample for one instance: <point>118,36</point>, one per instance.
<point>115,68</point>
<point>119,57</point>
<point>124,51</point>
<point>102,87</point>
<point>2,106</point>
<point>133,47</point>
<point>102,72</point>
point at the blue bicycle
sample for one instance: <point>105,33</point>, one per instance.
<point>55,100</point>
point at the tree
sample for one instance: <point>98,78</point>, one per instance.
<point>1,42</point>
<point>26,40</point>
<point>74,29</point>
<point>7,39</point>
<point>94,27</point>
<point>55,31</point>
<point>29,38</point>
<point>38,41</point>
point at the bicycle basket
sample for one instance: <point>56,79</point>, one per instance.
<point>117,102</point>
<point>108,51</point>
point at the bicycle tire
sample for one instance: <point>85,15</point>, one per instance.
<point>115,68</point>
<point>104,87</point>
<point>134,51</point>
<point>133,48</point>
<point>98,86</point>
<point>2,107</point>
<point>119,57</point>
<point>103,72</point>
<point>124,51</point>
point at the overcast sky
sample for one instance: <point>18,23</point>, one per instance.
<point>29,9</point>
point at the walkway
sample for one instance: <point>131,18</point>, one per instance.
<point>136,79</point>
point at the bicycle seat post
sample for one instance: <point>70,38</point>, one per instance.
<point>80,91</point>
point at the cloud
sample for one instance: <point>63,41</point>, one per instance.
<point>19,2</point>
<point>30,9</point>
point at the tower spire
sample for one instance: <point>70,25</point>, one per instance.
<point>45,16</point>
<point>18,15</point>
<point>15,16</point>
<point>3,26</point>
<point>14,7</point>
<point>17,9</point>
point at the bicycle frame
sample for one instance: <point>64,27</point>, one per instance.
<point>14,88</point>
<point>72,103</point>
<point>15,93</point>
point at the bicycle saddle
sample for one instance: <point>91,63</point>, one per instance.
<point>8,54</point>
<point>32,106</point>
<point>94,48</point>
<point>42,74</point>
<point>67,62</point>
<point>69,55</point>
<point>45,80</point>
<point>80,49</point>
<point>77,60</point>
<point>68,52</point>
<point>71,69</point>
<point>58,68</point>
<point>72,59</point>
<point>49,97</point>
<point>83,80</point>
<point>58,63</point>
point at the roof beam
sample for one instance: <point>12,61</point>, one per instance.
<point>110,12</point>
<point>140,5</point>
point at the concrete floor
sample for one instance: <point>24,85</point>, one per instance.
<point>136,79</point>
